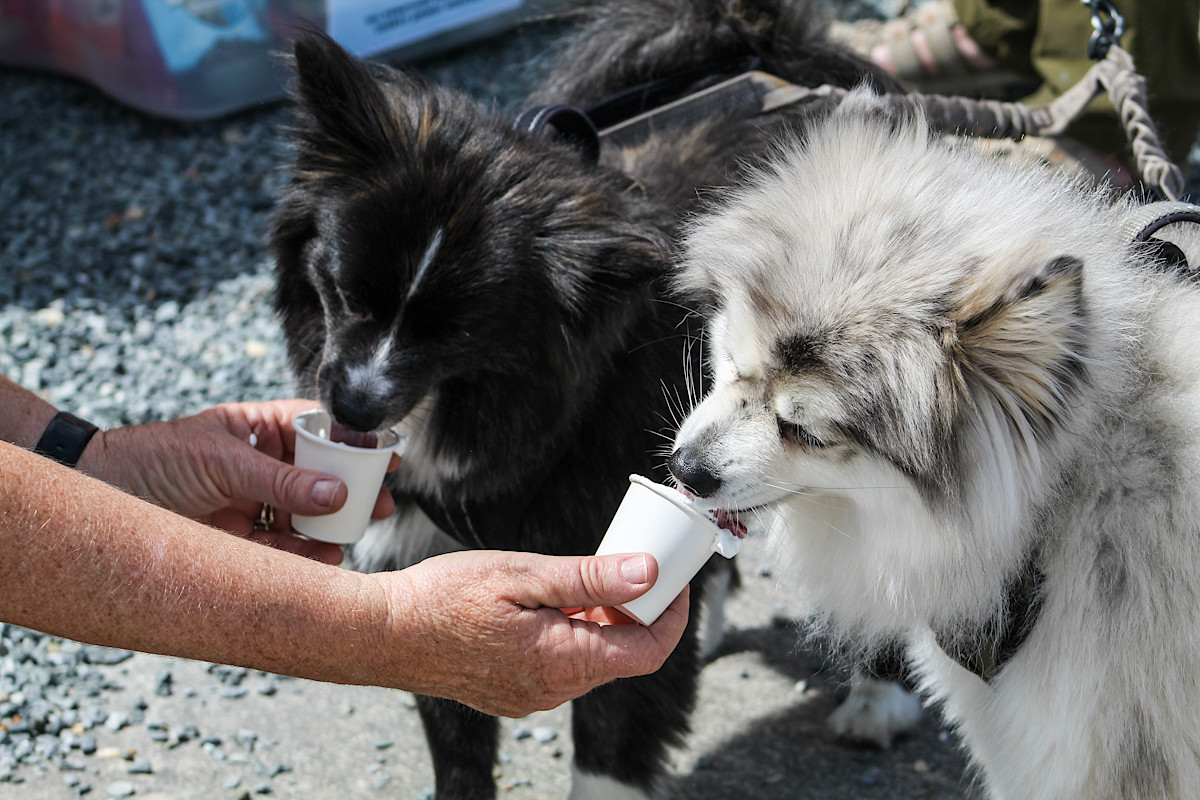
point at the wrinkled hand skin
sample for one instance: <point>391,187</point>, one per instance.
<point>205,468</point>
<point>491,632</point>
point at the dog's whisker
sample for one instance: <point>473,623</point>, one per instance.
<point>653,342</point>
<point>667,301</point>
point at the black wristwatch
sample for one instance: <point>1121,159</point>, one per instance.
<point>65,437</point>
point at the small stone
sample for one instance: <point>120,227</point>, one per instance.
<point>181,735</point>
<point>120,789</point>
<point>545,735</point>
<point>166,312</point>
<point>233,782</point>
<point>50,316</point>
<point>139,766</point>
<point>105,656</point>
<point>246,739</point>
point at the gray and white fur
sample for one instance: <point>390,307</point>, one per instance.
<point>969,411</point>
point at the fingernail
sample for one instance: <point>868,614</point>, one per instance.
<point>323,492</point>
<point>635,569</point>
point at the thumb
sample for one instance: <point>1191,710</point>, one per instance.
<point>290,488</point>
<point>587,581</point>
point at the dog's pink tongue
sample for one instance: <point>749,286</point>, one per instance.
<point>340,433</point>
<point>727,520</point>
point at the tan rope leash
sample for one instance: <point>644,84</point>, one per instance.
<point>994,119</point>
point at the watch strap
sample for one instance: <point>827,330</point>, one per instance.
<point>65,438</point>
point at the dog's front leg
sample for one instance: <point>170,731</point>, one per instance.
<point>463,744</point>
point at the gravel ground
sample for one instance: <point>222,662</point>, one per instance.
<point>134,286</point>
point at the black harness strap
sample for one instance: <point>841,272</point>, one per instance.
<point>1147,220</point>
<point>986,652</point>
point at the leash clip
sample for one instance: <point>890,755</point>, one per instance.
<point>1108,28</point>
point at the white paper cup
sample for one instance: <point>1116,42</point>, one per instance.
<point>361,468</point>
<point>663,522</point>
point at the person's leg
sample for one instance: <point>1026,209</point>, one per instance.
<point>929,50</point>
<point>1003,29</point>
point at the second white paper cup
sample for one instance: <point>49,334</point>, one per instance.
<point>361,468</point>
<point>661,521</point>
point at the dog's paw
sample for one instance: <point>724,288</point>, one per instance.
<point>875,711</point>
<point>588,786</point>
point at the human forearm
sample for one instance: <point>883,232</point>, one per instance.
<point>25,414</point>
<point>81,559</point>
<point>86,561</point>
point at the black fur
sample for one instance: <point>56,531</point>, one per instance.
<point>540,325</point>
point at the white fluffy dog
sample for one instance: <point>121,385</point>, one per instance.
<point>970,409</point>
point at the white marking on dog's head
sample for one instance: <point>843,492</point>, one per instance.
<point>427,258</point>
<point>369,377</point>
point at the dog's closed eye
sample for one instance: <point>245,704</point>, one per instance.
<point>798,434</point>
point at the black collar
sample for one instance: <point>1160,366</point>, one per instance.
<point>584,128</point>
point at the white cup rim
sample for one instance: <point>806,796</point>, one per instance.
<point>678,499</point>
<point>300,424</point>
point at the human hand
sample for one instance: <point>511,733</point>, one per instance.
<point>205,467</point>
<point>486,629</point>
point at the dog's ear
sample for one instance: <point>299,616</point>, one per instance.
<point>344,115</point>
<point>1023,343</point>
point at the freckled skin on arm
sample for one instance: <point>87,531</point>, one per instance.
<point>83,560</point>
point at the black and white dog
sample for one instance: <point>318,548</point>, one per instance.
<point>500,297</point>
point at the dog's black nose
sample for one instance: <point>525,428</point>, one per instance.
<point>688,467</point>
<point>350,411</point>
